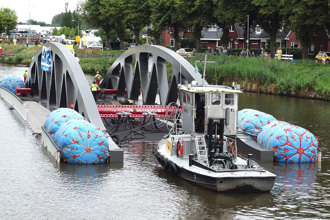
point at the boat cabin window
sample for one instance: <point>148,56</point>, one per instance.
<point>200,112</point>
<point>215,98</point>
<point>184,99</point>
<point>188,98</point>
<point>229,99</point>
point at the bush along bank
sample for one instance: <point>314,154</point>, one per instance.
<point>302,79</point>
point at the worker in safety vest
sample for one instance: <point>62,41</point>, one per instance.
<point>25,74</point>
<point>279,53</point>
<point>94,88</point>
<point>98,78</point>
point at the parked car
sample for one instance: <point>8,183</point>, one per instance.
<point>186,52</point>
<point>127,47</point>
<point>323,57</point>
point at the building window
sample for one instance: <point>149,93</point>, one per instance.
<point>311,49</point>
<point>292,44</point>
<point>212,28</point>
<point>258,29</point>
<point>172,42</point>
<point>231,29</point>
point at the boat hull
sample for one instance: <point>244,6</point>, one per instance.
<point>222,184</point>
<point>231,180</point>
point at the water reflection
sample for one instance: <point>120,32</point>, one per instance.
<point>84,171</point>
<point>295,177</point>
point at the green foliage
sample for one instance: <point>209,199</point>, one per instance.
<point>305,75</point>
<point>68,32</point>
<point>169,20</point>
<point>91,65</point>
<point>8,20</point>
<point>56,32</point>
<point>305,17</point>
<point>65,19</point>
<point>188,42</point>
<point>270,19</point>
<point>137,16</point>
<point>196,14</point>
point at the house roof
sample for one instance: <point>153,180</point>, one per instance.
<point>259,35</point>
<point>207,34</point>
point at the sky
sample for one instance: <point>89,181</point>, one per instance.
<point>40,10</point>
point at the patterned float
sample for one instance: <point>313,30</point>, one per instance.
<point>81,142</point>
<point>58,117</point>
<point>251,121</point>
<point>290,143</point>
<point>10,83</point>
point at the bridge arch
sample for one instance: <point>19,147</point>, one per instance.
<point>64,86</point>
<point>146,68</point>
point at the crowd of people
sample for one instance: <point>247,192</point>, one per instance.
<point>244,53</point>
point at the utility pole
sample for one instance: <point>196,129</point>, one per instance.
<point>247,36</point>
<point>28,34</point>
<point>78,26</point>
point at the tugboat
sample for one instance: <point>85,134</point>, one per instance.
<point>201,146</point>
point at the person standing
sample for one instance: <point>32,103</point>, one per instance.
<point>98,78</point>
<point>94,88</point>
<point>25,74</point>
<point>279,53</point>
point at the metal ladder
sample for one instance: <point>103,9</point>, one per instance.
<point>201,149</point>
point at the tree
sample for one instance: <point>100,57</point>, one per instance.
<point>56,32</point>
<point>8,20</point>
<point>137,16</point>
<point>270,19</point>
<point>164,15</point>
<point>305,18</point>
<point>34,22</point>
<point>228,12</point>
<point>95,16</point>
<point>67,19</point>
<point>198,14</point>
<point>115,10</point>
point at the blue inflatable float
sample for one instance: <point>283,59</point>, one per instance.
<point>58,117</point>
<point>290,143</point>
<point>82,143</point>
<point>252,121</point>
<point>10,83</point>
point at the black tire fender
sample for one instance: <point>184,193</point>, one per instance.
<point>173,168</point>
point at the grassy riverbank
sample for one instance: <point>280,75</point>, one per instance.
<point>17,54</point>
<point>304,78</point>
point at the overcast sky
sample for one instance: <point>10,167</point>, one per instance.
<point>40,10</point>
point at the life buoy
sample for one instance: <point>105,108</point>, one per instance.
<point>180,148</point>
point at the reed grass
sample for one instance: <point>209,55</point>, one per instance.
<point>288,77</point>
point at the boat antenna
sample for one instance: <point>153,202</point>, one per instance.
<point>205,60</point>
<point>216,74</point>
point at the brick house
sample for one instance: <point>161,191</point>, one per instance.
<point>258,38</point>
<point>211,37</point>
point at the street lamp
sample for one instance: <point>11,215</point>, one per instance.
<point>78,26</point>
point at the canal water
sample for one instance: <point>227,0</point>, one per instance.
<point>33,186</point>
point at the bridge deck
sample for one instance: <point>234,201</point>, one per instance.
<point>36,115</point>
